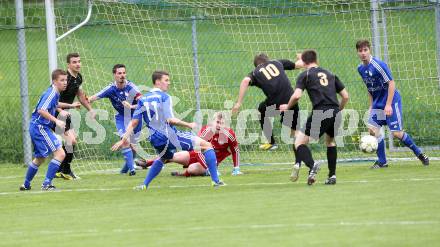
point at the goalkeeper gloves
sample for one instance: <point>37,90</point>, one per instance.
<point>236,171</point>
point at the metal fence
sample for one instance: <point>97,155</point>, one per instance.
<point>208,47</point>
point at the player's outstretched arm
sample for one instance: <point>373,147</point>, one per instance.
<point>236,162</point>
<point>243,88</point>
<point>128,132</point>
<point>63,105</point>
<point>93,99</point>
<point>178,122</point>
<point>344,99</point>
<point>293,100</point>
<point>289,65</point>
<point>82,97</point>
<point>299,64</point>
<point>104,93</point>
<point>128,105</point>
<point>235,152</point>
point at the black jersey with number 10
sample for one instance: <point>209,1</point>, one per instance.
<point>272,79</point>
<point>322,87</point>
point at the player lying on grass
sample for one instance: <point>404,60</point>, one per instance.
<point>224,143</point>
<point>123,94</point>
<point>43,138</point>
<point>155,109</point>
<point>385,104</point>
<point>322,86</point>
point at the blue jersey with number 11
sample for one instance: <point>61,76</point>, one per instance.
<point>155,108</point>
<point>376,76</point>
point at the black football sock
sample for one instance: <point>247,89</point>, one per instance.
<point>268,130</point>
<point>332,156</point>
<point>305,155</point>
<point>65,165</point>
<point>272,140</point>
<point>297,159</point>
<point>62,165</point>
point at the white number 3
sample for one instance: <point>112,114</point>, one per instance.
<point>323,79</point>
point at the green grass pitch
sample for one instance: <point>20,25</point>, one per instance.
<point>225,51</point>
<point>397,206</point>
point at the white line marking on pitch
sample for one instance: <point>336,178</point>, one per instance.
<point>226,227</point>
<point>206,185</point>
<point>264,167</point>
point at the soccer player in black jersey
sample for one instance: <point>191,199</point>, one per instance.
<point>322,87</point>
<point>271,78</point>
<point>73,89</point>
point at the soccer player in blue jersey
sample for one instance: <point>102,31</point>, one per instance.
<point>42,136</point>
<point>155,108</point>
<point>385,103</point>
<point>123,94</point>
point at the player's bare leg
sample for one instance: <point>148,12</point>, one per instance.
<point>144,163</point>
<point>296,167</point>
<point>59,154</point>
<point>196,169</point>
<point>65,170</point>
<point>138,163</point>
<point>38,161</point>
<point>180,158</point>
<point>266,127</point>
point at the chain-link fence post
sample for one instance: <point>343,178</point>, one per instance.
<point>386,59</point>
<point>437,30</point>
<point>196,70</point>
<point>375,28</point>
<point>24,95</point>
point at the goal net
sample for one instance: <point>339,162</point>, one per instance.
<point>156,34</point>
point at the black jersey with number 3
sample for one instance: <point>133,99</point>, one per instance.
<point>73,85</point>
<point>272,79</point>
<point>322,87</point>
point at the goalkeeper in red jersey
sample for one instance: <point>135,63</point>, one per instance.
<point>224,143</point>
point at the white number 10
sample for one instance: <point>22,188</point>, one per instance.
<point>270,71</point>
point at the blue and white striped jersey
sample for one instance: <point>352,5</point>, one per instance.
<point>376,76</point>
<point>116,95</point>
<point>49,102</point>
<point>155,108</point>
